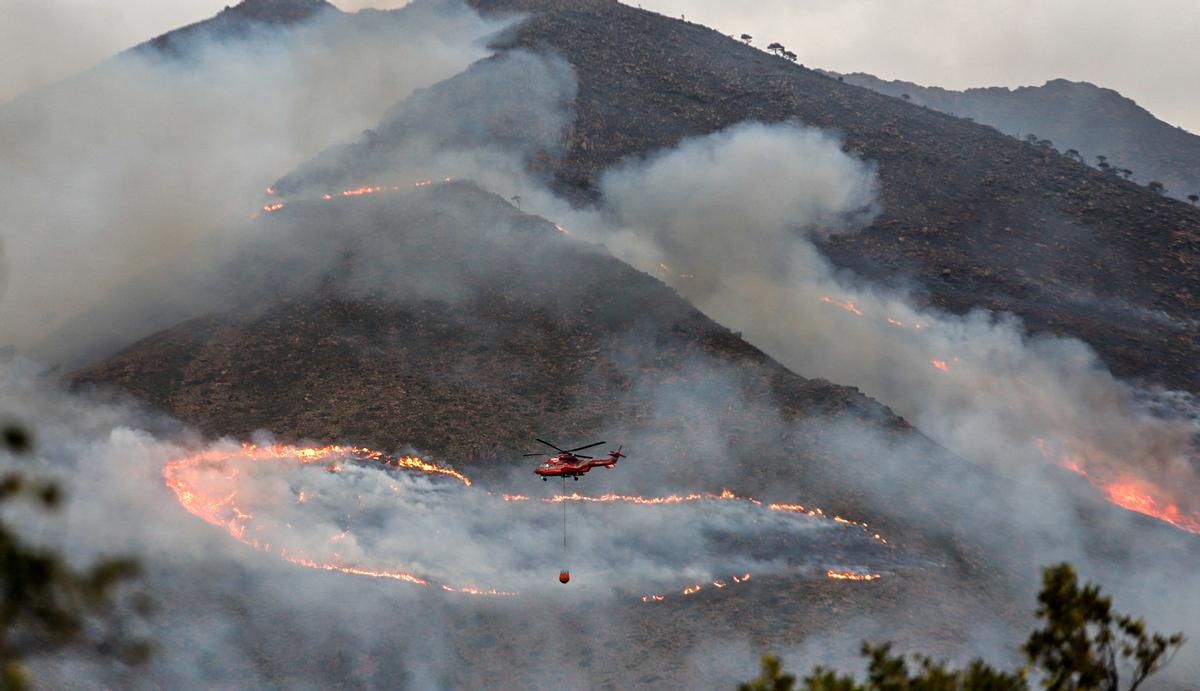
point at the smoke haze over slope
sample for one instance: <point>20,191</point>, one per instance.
<point>167,158</point>
<point>727,214</point>
<point>733,211</point>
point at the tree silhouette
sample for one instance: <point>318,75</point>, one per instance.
<point>1193,198</point>
<point>1156,186</point>
<point>789,55</point>
<point>1081,646</point>
<point>46,604</point>
<point>747,38</point>
<point>1073,155</point>
<point>776,48</point>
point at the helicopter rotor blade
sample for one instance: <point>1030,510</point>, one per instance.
<point>579,455</point>
<point>533,454</point>
<point>581,448</point>
<point>552,446</point>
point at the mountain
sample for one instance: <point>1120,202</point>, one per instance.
<point>970,218</point>
<point>441,319</point>
<point>444,321</point>
<point>239,22</point>
<point>448,322</point>
<point>1088,119</point>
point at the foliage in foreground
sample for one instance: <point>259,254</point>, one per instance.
<point>1082,645</point>
<point>46,604</point>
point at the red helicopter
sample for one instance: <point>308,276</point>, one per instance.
<point>570,464</point>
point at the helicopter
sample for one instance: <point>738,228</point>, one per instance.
<point>570,464</point>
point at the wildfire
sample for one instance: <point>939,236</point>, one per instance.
<point>854,309</point>
<point>847,305</point>
<point>724,495</point>
<point>562,230</point>
<point>1127,492</point>
<point>221,509</point>
<point>852,575</point>
<point>940,364</point>
<point>222,512</point>
<point>272,208</point>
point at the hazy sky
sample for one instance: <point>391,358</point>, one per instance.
<point>1148,50</point>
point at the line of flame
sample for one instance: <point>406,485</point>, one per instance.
<point>852,575</point>
<point>223,514</point>
<point>1127,492</point>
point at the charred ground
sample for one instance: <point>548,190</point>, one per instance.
<point>970,217</point>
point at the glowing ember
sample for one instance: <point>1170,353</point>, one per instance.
<point>847,305</point>
<point>664,267</point>
<point>223,513</point>
<point>562,230</point>
<point>725,495</point>
<point>221,509</point>
<point>272,208</point>
<point>360,191</point>
<point>852,575</point>
<point>940,364</point>
<point>271,191</point>
<point>1127,492</point>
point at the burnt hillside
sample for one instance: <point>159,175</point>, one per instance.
<point>970,216</point>
<point>445,321</point>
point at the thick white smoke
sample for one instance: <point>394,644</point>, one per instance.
<point>113,194</point>
<point>145,168</point>
<point>363,516</point>
<point>727,220</point>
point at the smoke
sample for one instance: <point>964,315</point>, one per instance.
<point>728,221</point>
<point>145,169</point>
<point>215,593</point>
<point>113,206</point>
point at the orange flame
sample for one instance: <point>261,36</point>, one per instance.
<point>847,305</point>
<point>852,575</point>
<point>222,513</point>
<point>272,208</point>
<point>1128,492</point>
<point>940,364</point>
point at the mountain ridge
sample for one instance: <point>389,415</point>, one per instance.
<point>971,219</point>
<point>1088,119</point>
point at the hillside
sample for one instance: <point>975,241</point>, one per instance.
<point>440,319</point>
<point>971,218</point>
<point>1089,119</point>
<point>242,21</point>
<point>447,322</point>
